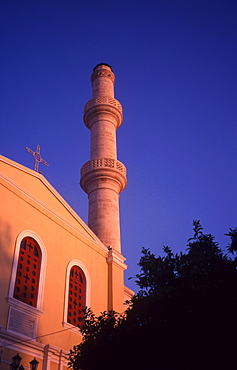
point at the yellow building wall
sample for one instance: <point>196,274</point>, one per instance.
<point>39,188</point>
<point>65,238</point>
<point>63,245</point>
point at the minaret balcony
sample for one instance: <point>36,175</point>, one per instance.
<point>102,105</point>
<point>103,168</point>
<point>103,100</point>
<point>103,163</point>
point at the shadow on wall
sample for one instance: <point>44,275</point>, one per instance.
<point>6,261</point>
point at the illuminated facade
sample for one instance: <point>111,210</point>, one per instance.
<point>52,264</point>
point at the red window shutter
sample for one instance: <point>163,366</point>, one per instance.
<point>28,272</point>
<point>76,296</point>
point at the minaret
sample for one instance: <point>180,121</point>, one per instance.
<point>103,177</point>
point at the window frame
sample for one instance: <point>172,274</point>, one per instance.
<point>78,263</point>
<point>15,302</point>
<point>28,272</point>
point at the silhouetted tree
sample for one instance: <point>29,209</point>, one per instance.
<point>183,317</point>
<point>233,240</point>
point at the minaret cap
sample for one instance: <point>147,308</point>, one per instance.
<point>102,64</point>
<point>103,70</point>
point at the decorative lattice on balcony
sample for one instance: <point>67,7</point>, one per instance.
<point>103,163</point>
<point>103,100</point>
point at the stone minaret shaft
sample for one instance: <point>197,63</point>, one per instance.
<point>103,177</point>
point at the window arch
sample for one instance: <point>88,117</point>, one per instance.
<point>76,296</point>
<point>25,297</point>
<point>28,272</point>
<point>76,265</point>
<point>12,300</point>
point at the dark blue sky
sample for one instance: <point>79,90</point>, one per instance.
<point>176,77</point>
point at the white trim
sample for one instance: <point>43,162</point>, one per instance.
<point>22,235</point>
<point>78,263</point>
<point>23,307</point>
<point>19,344</point>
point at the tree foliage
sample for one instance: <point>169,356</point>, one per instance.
<point>233,240</point>
<point>99,337</point>
<point>184,315</point>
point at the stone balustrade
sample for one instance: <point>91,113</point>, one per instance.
<point>100,100</point>
<point>103,163</point>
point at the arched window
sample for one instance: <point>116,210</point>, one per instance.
<point>76,296</point>
<point>28,272</point>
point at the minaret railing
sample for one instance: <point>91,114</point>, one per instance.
<point>103,163</point>
<point>103,100</point>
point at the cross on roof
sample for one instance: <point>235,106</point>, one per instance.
<point>37,157</point>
